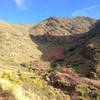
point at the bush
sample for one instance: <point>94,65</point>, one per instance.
<point>29,64</point>
<point>81,90</point>
<point>38,83</point>
<point>85,91</point>
<point>10,77</point>
<point>71,49</point>
<point>13,91</point>
<point>23,76</point>
<point>12,62</point>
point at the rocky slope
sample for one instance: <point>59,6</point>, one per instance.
<point>86,53</point>
<point>56,59</point>
<point>63,26</point>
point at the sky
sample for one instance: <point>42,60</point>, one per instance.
<point>35,11</point>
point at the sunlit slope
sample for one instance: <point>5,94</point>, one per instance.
<point>62,26</point>
<point>16,45</point>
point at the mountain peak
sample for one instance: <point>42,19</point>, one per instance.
<point>53,18</point>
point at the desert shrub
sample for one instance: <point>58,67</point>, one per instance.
<point>81,98</point>
<point>29,64</point>
<point>12,62</point>
<point>23,76</point>
<point>25,64</point>
<point>10,77</point>
<point>52,94</point>
<point>81,90</point>
<point>55,66</point>
<point>38,82</point>
<point>13,91</point>
<point>65,52</point>
<point>71,49</point>
<point>85,92</point>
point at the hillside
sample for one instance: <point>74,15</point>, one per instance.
<point>15,42</point>
<point>56,59</point>
<point>63,26</point>
<point>86,53</point>
<point>54,30</point>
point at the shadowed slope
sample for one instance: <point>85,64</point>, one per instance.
<point>74,51</point>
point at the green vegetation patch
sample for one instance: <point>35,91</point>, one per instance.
<point>87,92</point>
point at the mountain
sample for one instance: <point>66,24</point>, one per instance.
<point>85,53</point>
<point>56,59</point>
<point>63,26</point>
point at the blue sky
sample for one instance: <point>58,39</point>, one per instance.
<point>34,11</point>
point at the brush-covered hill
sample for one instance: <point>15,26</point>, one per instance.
<point>15,44</point>
<point>54,30</point>
<point>56,59</point>
<point>62,26</point>
<point>86,53</point>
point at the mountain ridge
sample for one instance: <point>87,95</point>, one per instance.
<point>56,59</point>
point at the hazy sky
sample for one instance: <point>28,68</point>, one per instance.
<point>34,11</point>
